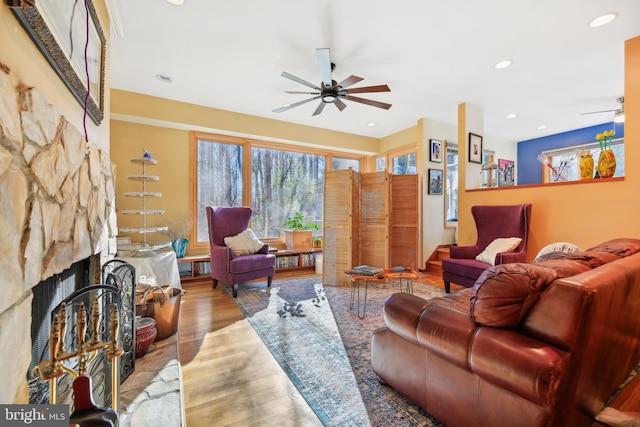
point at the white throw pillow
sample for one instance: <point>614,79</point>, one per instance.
<point>245,243</point>
<point>505,244</point>
<point>557,247</point>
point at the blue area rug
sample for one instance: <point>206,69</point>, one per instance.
<point>294,320</point>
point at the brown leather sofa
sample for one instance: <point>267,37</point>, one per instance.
<point>541,344</point>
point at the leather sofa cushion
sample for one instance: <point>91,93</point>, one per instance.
<point>525,366</point>
<point>621,247</point>
<point>503,294</point>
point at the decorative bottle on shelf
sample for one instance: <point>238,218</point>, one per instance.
<point>145,160</point>
<point>586,164</point>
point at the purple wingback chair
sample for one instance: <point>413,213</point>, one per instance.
<point>492,222</point>
<point>226,222</point>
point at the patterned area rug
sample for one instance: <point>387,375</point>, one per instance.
<point>307,328</point>
<point>294,320</point>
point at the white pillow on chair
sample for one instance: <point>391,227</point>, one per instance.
<point>245,243</point>
<point>503,244</point>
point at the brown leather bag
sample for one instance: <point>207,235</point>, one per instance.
<point>163,304</point>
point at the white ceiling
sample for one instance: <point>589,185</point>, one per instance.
<point>432,54</point>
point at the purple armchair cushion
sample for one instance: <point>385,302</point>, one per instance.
<point>464,267</point>
<point>249,263</point>
<point>503,294</point>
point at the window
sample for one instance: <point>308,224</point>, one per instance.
<point>451,183</point>
<point>274,179</point>
<point>338,163</point>
<point>404,164</point>
<point>283,183</point>
<point>566,163</point>
<point>219,180</point>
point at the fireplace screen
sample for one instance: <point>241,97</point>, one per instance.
<point>85,321</point>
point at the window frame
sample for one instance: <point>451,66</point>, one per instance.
<point>447,185</point>
<point>248,144</point>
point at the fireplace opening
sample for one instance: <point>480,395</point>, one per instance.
<point>47,295</point>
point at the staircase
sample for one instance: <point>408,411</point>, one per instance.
<point>434,264</point>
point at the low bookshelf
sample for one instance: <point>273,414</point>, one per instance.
<point>194,267</point>
<point>290,259</point>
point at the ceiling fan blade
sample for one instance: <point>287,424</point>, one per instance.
<point>596,112</point>
<point>301,93</point>
<point>341,105</point>
<point>299,80</point>
<point>290,106</point>
<point>319,109</point>
<point>324,58</point>
<point>365,89</point>
<point>368,102</point>
<point>351,80</point>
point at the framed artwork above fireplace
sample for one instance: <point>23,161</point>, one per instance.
<point>60,30</point>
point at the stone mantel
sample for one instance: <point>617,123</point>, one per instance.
<point>57,206</point>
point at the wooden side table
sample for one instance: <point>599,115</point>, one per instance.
<point>408,275</point>
<point>356,280</point>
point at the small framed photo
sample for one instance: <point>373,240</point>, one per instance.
<point>506,172</point>
<point>435,151</point>
<point>435,181</point>
<point>475,148</point>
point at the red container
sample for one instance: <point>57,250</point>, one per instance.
<point>145,334</point>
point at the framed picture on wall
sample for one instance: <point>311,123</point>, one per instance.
<point>60,30</point>
<point>506,172</point>
<point>435,151</point>
<point>475,148</point>
<point>435,183</point>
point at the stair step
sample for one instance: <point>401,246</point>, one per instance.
<point>434,267</point>
<point>443,253</point>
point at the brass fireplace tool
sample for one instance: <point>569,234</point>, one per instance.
<point>86,351</point>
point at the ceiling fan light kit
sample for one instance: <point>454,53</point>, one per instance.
<point>618,117</point>
<point>331,92</point>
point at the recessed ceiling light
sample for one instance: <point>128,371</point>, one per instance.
<point>503,64</point>
<point>603,19</point>
<point>371,124</point>
<point>285,105</point>
<point>541,127</point>
<point>164,78</point>
<point>176,2</point>
<point>512,116</point>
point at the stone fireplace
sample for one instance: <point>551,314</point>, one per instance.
<point>57,207</point>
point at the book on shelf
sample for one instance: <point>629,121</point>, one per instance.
<point>366,270</point>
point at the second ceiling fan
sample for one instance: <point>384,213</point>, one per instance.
<point>330,92</point>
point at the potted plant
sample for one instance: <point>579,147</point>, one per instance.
<point>297,232</point>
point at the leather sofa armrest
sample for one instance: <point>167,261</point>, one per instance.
<point>401,314</point>
<point>466,252</point>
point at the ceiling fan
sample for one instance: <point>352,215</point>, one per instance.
<point>619,112</point>
<point>330,92</point>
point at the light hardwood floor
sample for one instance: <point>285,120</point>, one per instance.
<point>231,378</point>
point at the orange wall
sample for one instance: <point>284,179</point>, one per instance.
<point>582,213</point>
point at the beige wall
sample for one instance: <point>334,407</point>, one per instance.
<point>582,213</point>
